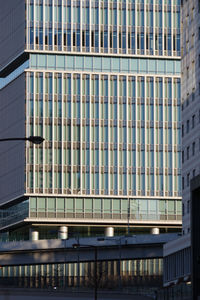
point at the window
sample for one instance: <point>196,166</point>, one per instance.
<point>199,33</point>
<point>182,156</point>
<point>193,173</point>
<point>193,121</point>
<point>188,179</point>
<point>187,72</point>
<point>183,128</point>
<point>193,96</point>
<point>183,183</point>
<point>199,88</point>
<point>193,148</point>
<point>188,206</point>
<point>188,152</point>
<point>188,126</point>
<point>183,209</point>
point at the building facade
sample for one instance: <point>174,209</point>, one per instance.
<point>190,94</point>
<point>100,81</point>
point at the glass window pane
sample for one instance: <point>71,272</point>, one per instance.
<point>60,62</point>
<point>41,204</point>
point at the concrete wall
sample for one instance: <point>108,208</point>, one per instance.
<point>12,33</point>
<point>12,154</point>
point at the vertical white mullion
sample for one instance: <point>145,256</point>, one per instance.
<point>163,29</point>
<point>127,50</point>
<point>136,27</point>
<point>154,18</point>
<point>34,24</point>
<point>34,104</point>
<point>173,136</point>
<point>43,128</point>
<point>164,122</point>
<point>118,43</point>
<point>43,25</point>
<point>53,23</point>
<point>163,105</point>
<point>72,14</point>
<point>100,137</point>
<point>145,128</point>
<point>127,143</point>
<point>172,28</point>
<point>101,143</point>
<point>154,112</point>
<point>62,28</point>
<point>27,133</point>
<point>136,133</point>
<point>81,26</point>
<point>109,134</point>
<point>53,125</point>
<point>72,129</point>
<point>81,140</point>
<point>99,35</point>
<point>118,133</point>
<point>90,122</point>
<point>145,30</point>
<point>62,137</point>
<point>90,10</point>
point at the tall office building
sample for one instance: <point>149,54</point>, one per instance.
<point>100,81</point>
<point>180,250</point>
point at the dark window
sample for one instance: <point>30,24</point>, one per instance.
<point>188,152</point>
<point>183,209</point>
<point>188,206</point>
<point>182,156</point>
<point>83,38</point>
<point>193,173</point>
<point>92,38</point>
<point>183,183</point>
<point>193,121</point>
<point>188,126</point>
<point>188,179</point>
<point>74,39</point>
<point>182,130</point>
<point>193,148</point>
<point>193,96</point>
<point>101,38</point>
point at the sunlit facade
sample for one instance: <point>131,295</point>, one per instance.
<point>101,83</point>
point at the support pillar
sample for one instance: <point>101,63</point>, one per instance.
<point>63,232</point>
<point>155,230</point>
<point>109,231</point>
<point>33,234</point>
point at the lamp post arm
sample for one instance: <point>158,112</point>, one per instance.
<point>13,139</point>
<point>34,139</point>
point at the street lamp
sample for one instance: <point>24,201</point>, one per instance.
<point>95,264</point>
<point>33,139</point>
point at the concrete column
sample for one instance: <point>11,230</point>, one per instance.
<point>33,234</point>
<point>155,230</point>
<point>63,232</point>
<point>109,231</point>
